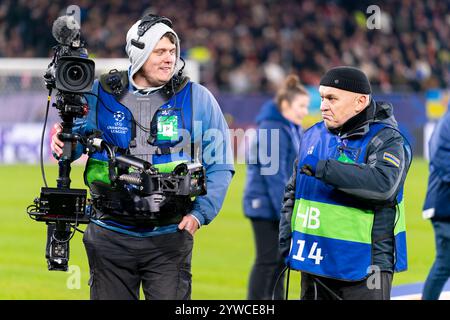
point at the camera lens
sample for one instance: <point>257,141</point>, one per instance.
<point>74,73</point>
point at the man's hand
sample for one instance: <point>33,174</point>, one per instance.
<point>309,165</point>
<point>57,145</point>
<point>189,223</point>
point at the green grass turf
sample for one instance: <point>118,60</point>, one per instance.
<point>223,251</point>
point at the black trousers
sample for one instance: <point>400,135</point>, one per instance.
<point>319,288</point>
<point>268,263</point>
<point>119,264</point>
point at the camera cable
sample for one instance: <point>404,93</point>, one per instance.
<point>43,136</point>
<point>278,280</point>
<point>334,294</point>
<point>142,127</point>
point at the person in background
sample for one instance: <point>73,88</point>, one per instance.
<point>264,192</point>
<point>437,207</point>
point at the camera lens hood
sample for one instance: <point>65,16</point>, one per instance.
<point>75,74</point>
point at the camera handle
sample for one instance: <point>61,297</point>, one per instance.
<point>66,136</point>
<point>59,233</point>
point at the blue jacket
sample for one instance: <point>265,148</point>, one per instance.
<point>438,194</point>
<point>216,156</point>
<point>263,193</point>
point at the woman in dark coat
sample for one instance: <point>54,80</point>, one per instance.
<point>279,120</point>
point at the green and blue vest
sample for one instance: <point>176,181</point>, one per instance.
<point>166,132</point>
<point>332,231</point>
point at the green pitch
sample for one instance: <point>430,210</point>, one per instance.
<point>223,251</point>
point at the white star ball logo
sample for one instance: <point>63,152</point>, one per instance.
<point>119,116</point>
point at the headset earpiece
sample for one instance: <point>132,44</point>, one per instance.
<point>147,22</point>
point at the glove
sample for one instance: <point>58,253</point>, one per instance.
<point>309,165</point>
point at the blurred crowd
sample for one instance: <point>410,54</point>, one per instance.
<point>247,46</point>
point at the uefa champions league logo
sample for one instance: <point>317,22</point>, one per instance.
<point>118,126</point>
<point>119,116</point>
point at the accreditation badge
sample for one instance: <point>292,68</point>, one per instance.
<point>167,128</point>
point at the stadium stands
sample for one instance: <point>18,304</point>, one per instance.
<point>248,46</point>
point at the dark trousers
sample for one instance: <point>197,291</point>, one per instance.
<point>120,263</point>
<point>319,288</point>
<point>268,263</point>
<point>440,271</point>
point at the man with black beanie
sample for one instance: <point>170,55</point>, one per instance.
<point>342,222</point>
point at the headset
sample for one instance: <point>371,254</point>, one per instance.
<point>147,22</point>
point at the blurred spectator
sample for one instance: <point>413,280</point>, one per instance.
<point>437,207</point>
<point>409,52</point>
<point>264,189</point>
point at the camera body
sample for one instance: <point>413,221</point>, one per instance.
<point>71,71</point>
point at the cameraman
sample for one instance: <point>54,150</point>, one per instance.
<point>125,251</point>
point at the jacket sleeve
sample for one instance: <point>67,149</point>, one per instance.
<point>440,148</point>
<point>211,131</point>
<point>285,228</point>
<point>376,181</point>
<point>276,175</point>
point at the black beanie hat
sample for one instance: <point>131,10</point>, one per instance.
<point>347,78</point>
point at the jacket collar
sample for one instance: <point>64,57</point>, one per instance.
<point>358,125</point>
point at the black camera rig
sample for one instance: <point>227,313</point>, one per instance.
<point>71,73</point>
<point>187,179</point>
<point>67,208</point>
